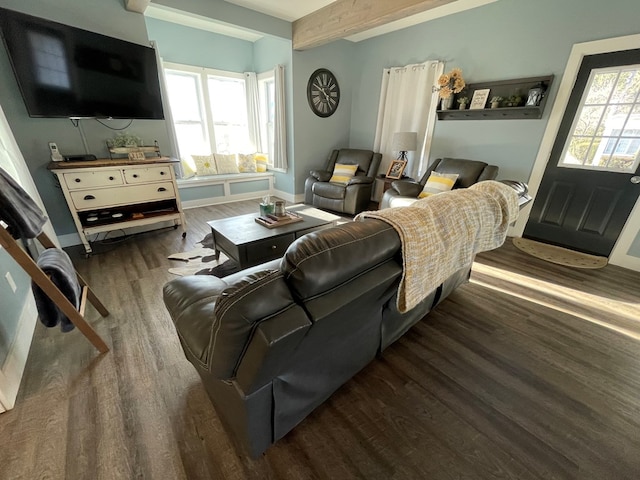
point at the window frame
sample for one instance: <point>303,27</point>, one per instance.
<point>266,126</point>
<point>206,114</point>
<point>611,140</point>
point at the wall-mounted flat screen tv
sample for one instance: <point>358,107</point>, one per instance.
<point>68,72</point>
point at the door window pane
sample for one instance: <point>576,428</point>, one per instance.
<point>606,131</point>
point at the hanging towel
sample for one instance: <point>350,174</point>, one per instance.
<point>57,265</point>
<point>18,210</point>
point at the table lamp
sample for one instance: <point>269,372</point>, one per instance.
<point>404,142</point>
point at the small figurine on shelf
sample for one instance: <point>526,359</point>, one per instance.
<point>463,102</point>
<point>495,101</point>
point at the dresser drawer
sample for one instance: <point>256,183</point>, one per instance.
<point>105,197</point>
<point>102,178</point>
<point>269,249</point>
<point>145,175</point>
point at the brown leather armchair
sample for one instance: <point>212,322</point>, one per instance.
<point>404,192</point>
<point>352,198</point>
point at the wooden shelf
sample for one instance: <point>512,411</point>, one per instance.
<point>151,149</point>
<point>504,88</point>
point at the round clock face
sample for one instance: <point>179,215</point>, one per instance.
<point>323,92</point>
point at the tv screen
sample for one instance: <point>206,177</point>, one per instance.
<point>64,71</point>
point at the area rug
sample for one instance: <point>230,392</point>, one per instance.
<point>202,261</point>
<point>559,255</point>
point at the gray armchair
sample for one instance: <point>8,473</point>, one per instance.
<point>404,192</point>
<point>352,198</point>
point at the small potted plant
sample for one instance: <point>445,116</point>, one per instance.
<point>514,101</point>
<point>463,102</point>
<point>495,101</point>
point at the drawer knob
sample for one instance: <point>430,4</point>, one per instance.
<point>273,247</point>
<point>135,175</point>
<point>89,197</point>
<point>162,189</point>
<point>162,173</point>
<point>111,178</point>
<point>78,180</point>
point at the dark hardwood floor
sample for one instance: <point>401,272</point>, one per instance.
<point>529,371</point>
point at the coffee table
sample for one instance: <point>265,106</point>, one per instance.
<point>249,243</point>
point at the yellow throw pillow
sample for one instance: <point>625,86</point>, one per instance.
<point>262,161</point>
<point>438,183</point>
<point>247,163</point>
<point>226,163</point>
<point>188,167</point>
<point>205,165</point>
<point>343,173</point>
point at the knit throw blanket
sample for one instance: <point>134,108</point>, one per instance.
<point>441,234</point>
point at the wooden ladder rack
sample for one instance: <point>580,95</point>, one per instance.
<point>48,287</point>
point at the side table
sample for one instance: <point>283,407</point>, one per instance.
<point>388,181</point>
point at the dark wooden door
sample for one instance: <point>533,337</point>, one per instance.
<point>591,182</point>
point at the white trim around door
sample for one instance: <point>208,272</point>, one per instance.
<point>619,254</point>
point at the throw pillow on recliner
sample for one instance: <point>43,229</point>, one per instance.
<point>343,173</point>
<point>438,183</point>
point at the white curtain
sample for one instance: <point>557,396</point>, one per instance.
<point>407,104</point>
<point>253,110</point>
<point>280,123</point>
<point>168,117</point>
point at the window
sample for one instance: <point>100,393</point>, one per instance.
<point>267,92</point>
<point>606,131</point>
<point>209,109</point>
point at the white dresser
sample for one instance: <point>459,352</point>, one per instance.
<point>105,195</point>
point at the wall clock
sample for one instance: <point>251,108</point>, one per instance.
<point>323,92</point>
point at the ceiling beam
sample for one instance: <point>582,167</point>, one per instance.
<point>138,6</point>
<point>348,17</point>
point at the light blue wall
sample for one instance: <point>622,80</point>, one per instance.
<point>502,40</point>
<point>267,53</point>
<point>191,46</point>
<point>316,137</point>
<point>107,17</point>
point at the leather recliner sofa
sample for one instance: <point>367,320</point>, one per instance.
<point>405,192</point>
<point>352,198</point>
<point>273,342</point>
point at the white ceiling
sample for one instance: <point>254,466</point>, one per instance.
<point>289,10</point>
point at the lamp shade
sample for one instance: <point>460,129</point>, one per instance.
<point>404,142</point>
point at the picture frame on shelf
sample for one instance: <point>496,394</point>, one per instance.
<point>479,100</point>
<point>396,168</point>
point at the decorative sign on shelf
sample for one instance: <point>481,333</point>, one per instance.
<point>479,99</point>
<point>136,156</point>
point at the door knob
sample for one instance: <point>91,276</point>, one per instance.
<point>635,179</point>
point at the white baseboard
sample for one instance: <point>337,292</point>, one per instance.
<point>13,368</point>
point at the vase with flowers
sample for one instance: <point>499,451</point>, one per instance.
<point>448,85</point>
